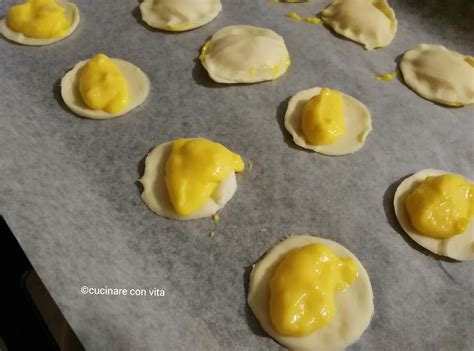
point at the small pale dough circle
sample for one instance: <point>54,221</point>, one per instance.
<point>459,247</point>
<point>245,54</point>
<point>354,306</point>
<point>179,15</point>
<point>371,23</point>
<point>138,89</point>
<point>71,13</point>
<point>439,74</point>
<point>357,118</point>
<point>155,194</point>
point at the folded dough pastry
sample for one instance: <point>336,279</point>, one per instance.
<point>179,15</point>
<point>369,22</point>
<point>439,74</point>
<point>245,54</point>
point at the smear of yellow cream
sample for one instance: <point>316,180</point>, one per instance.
<point>204,50</point>
<point>387,76</point>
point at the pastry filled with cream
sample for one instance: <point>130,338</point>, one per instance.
<point>436,209</point>
<point>189,178</point>
<point>371,23</point>
<point>310,293</point>
<point>439,74</point>
<point>245,54</point>
<point>40,22</point>
<point>103,87</point>
<point>179,15</point>
<point>327,121</point>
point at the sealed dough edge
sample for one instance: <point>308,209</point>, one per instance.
<point>354,306</point>
<point>71,12</point>
<point>357,118</point>
<point>154,21</point>
<point>155,193</point>
<point>272,39</point>
<point>416,81</point>
<point>138,88</point>
<point>459,247</point>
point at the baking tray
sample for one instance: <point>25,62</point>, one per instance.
<point>69,186</point>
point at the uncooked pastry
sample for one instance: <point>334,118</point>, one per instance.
<point>155,193</point>
<point>245,54</point>
<point>179,15</point>
<point>369,22</point>
<point>439,74</point>
<point>357,118</point>
<point>354,306</point>
<point>138,89</point>
<point>72,14</point>
<point>459,247</point>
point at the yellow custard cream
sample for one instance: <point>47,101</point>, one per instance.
<point>103,86</point>
<point>312,20</point>
<point>441,206</point>
<point>40,19</point>
<point>303,287</point>
<point>323,121</point>
<point>387,76</point>
<point>194,169</point>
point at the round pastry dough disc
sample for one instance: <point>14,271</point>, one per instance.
<point>179,15</point>
<point>72,14</point>
<point>357,118</point>
<point>138,89</point>
<point>371,23</point>
<point>459,247</point>
<point>155,193</point>
<point>354,306</point>
<point>439,74</point>
<point>245,54</point>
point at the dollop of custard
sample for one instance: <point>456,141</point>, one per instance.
<point>303,287</point>
<point>41,19</point>
<point>323,122</point>
<point>103,86</point>
<point>441,206</point>
<point>194,169</point>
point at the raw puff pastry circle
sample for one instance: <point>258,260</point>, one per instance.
<point>138,89</point>
<point>369,22</point>
<point>439,74</point>
<point>357,118</point>
<point>155,193</point>
<point>354,306</point>
<point>72,14</point>
<point>245,54</point>
<point>179,15</point>
<point>459,247</point>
